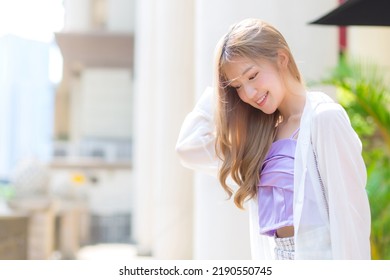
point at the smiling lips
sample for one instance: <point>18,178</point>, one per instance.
<point>262,100</point>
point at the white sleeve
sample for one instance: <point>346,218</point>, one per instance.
<point>261,245</point>
<point>343,173</point>
<point>196,143</point>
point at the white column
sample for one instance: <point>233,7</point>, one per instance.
<point>77,15</point>
<point>144,126</point>
<point>163,79</point>
<point>120,15</point>
<point>370,44</point>
<point>175,82</point>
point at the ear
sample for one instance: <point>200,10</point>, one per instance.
<point>283,59</point>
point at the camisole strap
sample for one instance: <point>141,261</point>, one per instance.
<point>294,134</point>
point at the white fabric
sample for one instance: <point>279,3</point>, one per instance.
<point>332,218</point>
<point>284,249</point>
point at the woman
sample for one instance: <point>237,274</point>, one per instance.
<point>293,154</point>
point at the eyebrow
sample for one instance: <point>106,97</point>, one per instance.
<point>247,70</point>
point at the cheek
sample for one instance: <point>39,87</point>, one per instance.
<point>265,80</point>
<point>243,97</point>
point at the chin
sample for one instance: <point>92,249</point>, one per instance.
<point>268,111</point>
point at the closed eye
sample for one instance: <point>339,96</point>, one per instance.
<point>236,87</point>
<point>253,77</point>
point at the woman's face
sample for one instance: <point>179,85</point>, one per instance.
<point>258,83</point>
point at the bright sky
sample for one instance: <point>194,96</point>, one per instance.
<point>32,19</point>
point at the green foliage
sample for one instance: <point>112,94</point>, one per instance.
<point>365,96</point>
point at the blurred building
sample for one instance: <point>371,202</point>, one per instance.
<point>94,113</point>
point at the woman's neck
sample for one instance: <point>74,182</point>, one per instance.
<point>294,100</point>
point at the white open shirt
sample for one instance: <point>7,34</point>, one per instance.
<point>331,218</point>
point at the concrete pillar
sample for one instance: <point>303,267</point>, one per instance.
<point>175,80</point>
<point>163,81</point>
<point>120,15</point>
<point>370,44</point>
<point>144,125</point>
<point>77,15</point>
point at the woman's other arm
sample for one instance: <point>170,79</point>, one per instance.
<point>196,143</point>
<point>343,172</point>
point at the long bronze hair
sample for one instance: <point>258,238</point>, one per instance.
<point>244,134</point>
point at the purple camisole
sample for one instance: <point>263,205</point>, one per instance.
<point>276,187</point>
